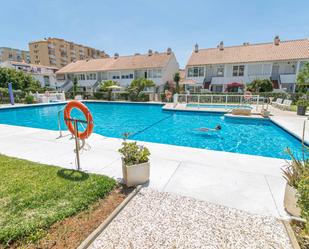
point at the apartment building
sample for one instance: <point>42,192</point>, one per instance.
<point>45,75</point>
<point>13,54</point>
<point>279,61</point>
<point>159,67</point>
<point>57,52</point>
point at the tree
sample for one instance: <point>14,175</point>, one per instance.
<point>105,87</point>
<point>75,84</point>
<point>19,79</point>
<point>259,85</point>
<point>137,86</point>
<point>303,78</point>
<point>177,79</point>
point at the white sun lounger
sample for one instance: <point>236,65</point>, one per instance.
<point>277,102</point>
<point>286,105</point>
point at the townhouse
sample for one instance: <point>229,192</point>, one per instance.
<point>158,67</point>
<point>45,75</point>
<point>279,61</point>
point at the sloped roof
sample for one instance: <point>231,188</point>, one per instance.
<point>263,52</point>
<point>156,60</point>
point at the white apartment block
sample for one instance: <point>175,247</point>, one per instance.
<point>158,67</point>
<point>45,75</point>
<point>279,61</point>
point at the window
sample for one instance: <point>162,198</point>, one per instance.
<point>46,80</point>
<point>80,76</point>
<point>157,73</point>
<point>154,73</point>
<point>220,71</point>
<point>104,76</point>
<point>238,70</point>
<point>127,76</point>
<point>196,72</point>
<point>91,76</point>
<point>114,75</point>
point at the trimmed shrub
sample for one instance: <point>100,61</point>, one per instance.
<point>29,99</point>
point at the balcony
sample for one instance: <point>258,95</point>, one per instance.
<point>287,78</point>
<point>240,79</point>
<point>52,46</point>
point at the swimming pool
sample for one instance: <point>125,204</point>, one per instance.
<point>147,122</point>
<point>220,106</point>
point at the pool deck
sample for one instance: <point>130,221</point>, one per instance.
<point>245,182</point>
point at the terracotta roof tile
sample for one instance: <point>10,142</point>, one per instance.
<point>121,63</point>
<point>286,50</point>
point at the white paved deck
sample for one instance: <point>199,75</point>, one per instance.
<point>249,183</point>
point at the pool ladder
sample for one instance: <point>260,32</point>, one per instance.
<point>59,122</point>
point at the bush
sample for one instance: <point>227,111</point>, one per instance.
<point>260,86</point>
<point>29,99</point>
<point>302,102</point>
<point>303,200</point>
<point>134,154</point>
<point>295,170</point>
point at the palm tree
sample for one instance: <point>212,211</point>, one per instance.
<point>177,79</point>
<point>139,85</point>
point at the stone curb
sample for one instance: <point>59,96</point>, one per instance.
<point>291,234</point>
<point>88,241</point>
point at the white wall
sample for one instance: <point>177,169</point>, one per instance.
<point>170,69</point>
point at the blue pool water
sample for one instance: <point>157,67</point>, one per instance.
<point>150,123</point>
<point>219,106</point>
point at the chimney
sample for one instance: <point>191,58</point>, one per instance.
<point>196,48</point>
<point>169,51</point>
<point>149,52</point>
<point>221,46</point>
<point>116,55</point>
<point>277,40</point>
<point>137,54</point>
<point>246,43</point>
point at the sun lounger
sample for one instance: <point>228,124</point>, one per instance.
<point>286,105</point>
<point>277,102</point>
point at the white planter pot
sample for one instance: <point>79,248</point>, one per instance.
<point>290,201</point>
<point>135,174</point>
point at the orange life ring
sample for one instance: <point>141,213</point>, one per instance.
<point>67,118</point>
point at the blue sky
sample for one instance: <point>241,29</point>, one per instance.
<point>131,26</point>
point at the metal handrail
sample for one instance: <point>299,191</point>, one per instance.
<point>59,123</point>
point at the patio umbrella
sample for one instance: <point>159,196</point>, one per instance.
<point>114,87</point>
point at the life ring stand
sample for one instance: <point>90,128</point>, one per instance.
<point>68,120</point>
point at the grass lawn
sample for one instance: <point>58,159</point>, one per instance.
<point>34,196</point>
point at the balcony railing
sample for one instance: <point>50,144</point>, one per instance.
<point>287,78</point>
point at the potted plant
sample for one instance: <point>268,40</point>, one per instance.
<point>135,163</point>
<point>302,106</point>
<point>293,174</point>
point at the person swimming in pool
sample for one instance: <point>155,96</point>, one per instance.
<point>217,128</point>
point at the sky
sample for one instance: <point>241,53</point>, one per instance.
<point>134,26</point>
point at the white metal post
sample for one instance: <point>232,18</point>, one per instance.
<point>198,101</point>
<point>257,102</point>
